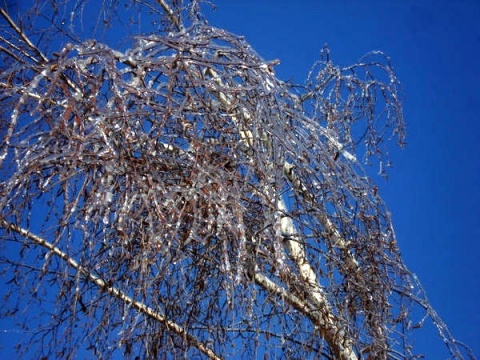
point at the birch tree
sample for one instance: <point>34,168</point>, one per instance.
<point>168,196</point>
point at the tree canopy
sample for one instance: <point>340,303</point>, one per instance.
<point>167,195</point>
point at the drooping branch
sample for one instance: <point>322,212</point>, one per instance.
<point>112,290</point>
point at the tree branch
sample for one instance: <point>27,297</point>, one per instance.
<point>324,321</point>
<point>175,20</point>
<point>339,344</point>
<point>112,290</point>
<point>23,37</point>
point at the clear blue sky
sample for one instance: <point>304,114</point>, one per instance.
<point>433,189</point>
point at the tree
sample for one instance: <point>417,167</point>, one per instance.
<point>168,195</point>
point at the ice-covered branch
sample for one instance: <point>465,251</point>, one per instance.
<point>325,321</point>
<point>342,346</point>
<point>115,292</point>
